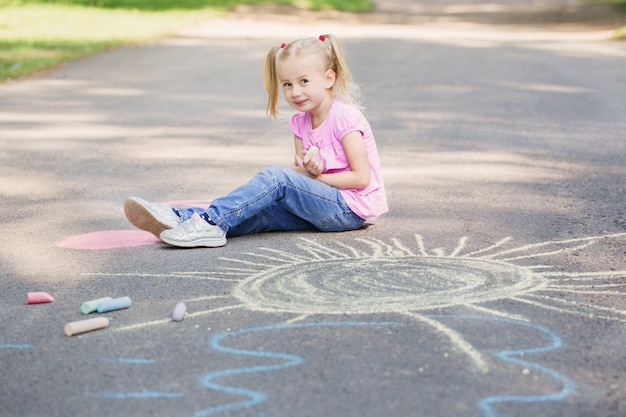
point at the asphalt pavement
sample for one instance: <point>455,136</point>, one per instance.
<point>494,287</point>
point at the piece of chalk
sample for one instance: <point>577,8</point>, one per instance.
<point>179,312</point>
<point>92,305</point>
<point>83,326</point>
<point>38,297</point>
<point>312,151</point>
<point>116,304</point>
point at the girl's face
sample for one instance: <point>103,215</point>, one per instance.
<point>307,84</point>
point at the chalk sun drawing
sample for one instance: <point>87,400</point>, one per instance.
<point>408,279</point>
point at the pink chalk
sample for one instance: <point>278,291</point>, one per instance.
<point>109,239</point>
<point>38,297</point>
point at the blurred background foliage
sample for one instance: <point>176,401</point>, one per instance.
<point>161,5</point>
<point>37,35</point>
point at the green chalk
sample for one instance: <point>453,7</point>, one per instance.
<point>91,306</point>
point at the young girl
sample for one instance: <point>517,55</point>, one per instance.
<point>335,183</point>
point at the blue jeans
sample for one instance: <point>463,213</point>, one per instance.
<point>279,199</point>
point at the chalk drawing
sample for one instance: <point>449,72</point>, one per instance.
<point>144,394</point>
<point>117,239</point>
<point>373,276</point>
<point>285,361</point>
<point>392,277</point>
<point>16,346</point>
<point>133,361</point>
<point>512,356</point>
<point>108,239</point>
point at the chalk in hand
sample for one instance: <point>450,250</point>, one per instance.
<point>116,304</point>
<point>83,326</point>
<point>313,150</point>
<point>92,305</point>
<point>38,297</point>
<point>179,312</point>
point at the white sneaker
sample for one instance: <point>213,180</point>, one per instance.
<point>193,233</point>
<point>152,217</point>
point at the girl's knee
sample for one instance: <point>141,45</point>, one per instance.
<point>277,172</point>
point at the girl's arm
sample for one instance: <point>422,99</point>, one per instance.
<point>298,144</point>
<point>359,174</point>
<point>357,177</point>
<point>309,165</point>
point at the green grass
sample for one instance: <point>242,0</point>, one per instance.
<point>160,5</point>
<point>620,34</point>
<point>36,36</point>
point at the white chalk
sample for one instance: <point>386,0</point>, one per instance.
<point>179,312</point>
<point>313,150</point>
<point>92,305</point>
<point>83,326</point>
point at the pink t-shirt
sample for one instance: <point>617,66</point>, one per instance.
<point>369,202</point>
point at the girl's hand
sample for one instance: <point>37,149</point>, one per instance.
<point>298,165</point>
<point>310,166</point>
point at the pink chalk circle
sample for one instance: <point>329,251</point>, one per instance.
<point>38,298</point>
<point>109,239</point>
<point>118,239</point>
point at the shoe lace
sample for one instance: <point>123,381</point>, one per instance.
<point>192,224</point>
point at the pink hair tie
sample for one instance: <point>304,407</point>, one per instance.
<point>282,45</point>
<point>322,38</point>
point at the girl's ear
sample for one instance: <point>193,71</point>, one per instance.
<point>330,78</point>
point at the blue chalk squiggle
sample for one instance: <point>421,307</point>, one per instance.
<point>141,394</point>
<point>287,360</point>
<point>486,404</point>
<point>569,387</point>
<point>130,361</point>
<point>144,394</point>
<point>16,346</point>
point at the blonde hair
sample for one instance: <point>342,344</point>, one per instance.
<point>329,50</point>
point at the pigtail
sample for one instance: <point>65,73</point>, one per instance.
<point>344,85</point>
<point>271,82</point>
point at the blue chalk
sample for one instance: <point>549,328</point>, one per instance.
<point>116,304</point>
